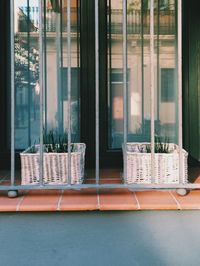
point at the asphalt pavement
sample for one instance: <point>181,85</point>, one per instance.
<point>100,238</point>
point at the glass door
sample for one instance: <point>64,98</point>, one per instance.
<point>138,74</point>
<point>56,103</point>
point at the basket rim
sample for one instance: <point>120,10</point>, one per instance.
<point>26,151</point>
<point>156,154</point>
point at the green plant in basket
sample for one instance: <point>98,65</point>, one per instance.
<point>159,147</point>
<point>55,142</point>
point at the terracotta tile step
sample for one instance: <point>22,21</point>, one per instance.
<point>90,199</point>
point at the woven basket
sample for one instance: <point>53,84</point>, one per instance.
<point>166,165</point>
<point>55,166</point>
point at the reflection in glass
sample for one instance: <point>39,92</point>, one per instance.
<point>27,89</point>
<point>138,30</point>
<point>55,69</point>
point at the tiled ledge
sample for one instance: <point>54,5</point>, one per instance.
<point>103,200</point>
<point>90,200</point>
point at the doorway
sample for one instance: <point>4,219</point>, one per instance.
<point>138,75</point>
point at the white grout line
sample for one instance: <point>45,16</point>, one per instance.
<point>59,200</point>
<point>177,202</point>
<point>138,204</point>
<point>19,204</point>
<point>98,200</point>
<point>20,201</point>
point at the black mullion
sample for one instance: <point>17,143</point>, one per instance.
<point>5,84</point>
<point>78,64</point>
<point>87,79</point>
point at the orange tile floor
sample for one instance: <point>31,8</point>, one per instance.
<point>104,199</point>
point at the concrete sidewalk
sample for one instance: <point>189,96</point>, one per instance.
<point>170,238</point>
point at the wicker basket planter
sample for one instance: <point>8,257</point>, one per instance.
<point>166,165</point>
<point>55,166</point>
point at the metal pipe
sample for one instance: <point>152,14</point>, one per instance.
<point>142,60</point>
<point>125,98</point>
<point>102,186</point>
<point>45,66</point>
<point>59,70</point>
<point>69,86</point>
<point>97,88</point>
<point>61,63</point>
<point>28,74</point>
<point>180,123</point>
<point>158,61</point>
<point>41,80</point>
<point>12,62</point>
<point>152,89</point>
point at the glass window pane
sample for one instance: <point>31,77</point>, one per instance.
<point>165,68</point>
<point>55,69</point>
<point>167,88</point>
<point>27,88</point>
